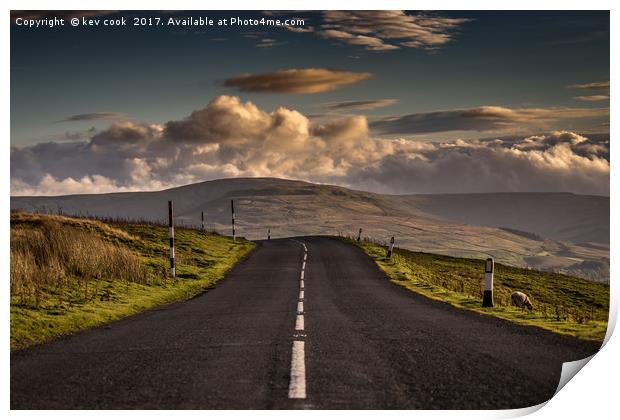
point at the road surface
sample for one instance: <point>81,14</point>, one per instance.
<point>338,336</point>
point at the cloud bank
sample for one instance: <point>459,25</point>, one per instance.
<point>309,80</point>
<point>231,138</point>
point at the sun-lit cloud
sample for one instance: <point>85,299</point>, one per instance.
<point>270,43</point>
<point>232,138</point>
<point>592,98</point>
<point>91,116</point>
<point>307,80</point>
<point>389,29</point>
<point>485,118</point>
<point>602,87</point>
<point>591,86</point>
<point>367,104</point>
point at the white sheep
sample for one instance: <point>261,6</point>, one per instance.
<point>520,299</point>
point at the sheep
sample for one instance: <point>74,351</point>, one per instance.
<point>520,300</point>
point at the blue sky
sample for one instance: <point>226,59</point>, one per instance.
<point>509,73</point>
<point>512,59</point>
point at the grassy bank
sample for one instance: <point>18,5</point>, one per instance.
<point>562,304</point>
<point>68,274</point>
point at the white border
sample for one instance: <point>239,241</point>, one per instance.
<point>591,395</point>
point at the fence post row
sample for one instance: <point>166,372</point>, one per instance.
<point>171,236</point>
<point>391,248</point>
<point>232,209</point>
<point>487,299</point>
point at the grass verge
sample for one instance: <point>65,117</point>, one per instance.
<point>68,274</point>
<point>562,304</point>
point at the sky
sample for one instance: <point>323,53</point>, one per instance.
<point>392,102</point>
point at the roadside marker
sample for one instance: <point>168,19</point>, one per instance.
<point>487,300</point>
<point>268,234</point>
<point>202,220</point>
<point>171,236</point>
<point>359,235</point>
<point>232,209</point>
<point>391,248</point>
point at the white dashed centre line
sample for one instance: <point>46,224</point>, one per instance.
<point>297,386</point>
<point>299,323</point>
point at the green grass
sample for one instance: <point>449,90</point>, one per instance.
<point>562,304</point>
<point>78,303</point>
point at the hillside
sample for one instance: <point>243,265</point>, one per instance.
<point>557,232</point>
<point>69,274</point>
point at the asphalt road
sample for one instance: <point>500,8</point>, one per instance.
<point>363,343</point>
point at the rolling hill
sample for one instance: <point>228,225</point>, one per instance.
<point>551,231</point>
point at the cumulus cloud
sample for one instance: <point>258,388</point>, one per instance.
<point>95,116</point>
<point>232,138</point>
<point>368,104</point>
<point>308,80</point>
<point>485,118</point>
<point>389,29</point>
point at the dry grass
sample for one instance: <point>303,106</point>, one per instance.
<point>52,256</point>
<point>69,273</point>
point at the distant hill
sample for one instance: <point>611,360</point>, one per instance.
<point>563,216</point>
<point>554,231</point>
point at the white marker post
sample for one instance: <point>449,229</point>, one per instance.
<point>391,248</point>
<point>202,220</point>
<point>359,235</point>
<point>487,299</point>
<point>232,209</point>
<point>171,236</point>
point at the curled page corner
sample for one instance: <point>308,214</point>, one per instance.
<point>522,412</point>
<point>570,369</point>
